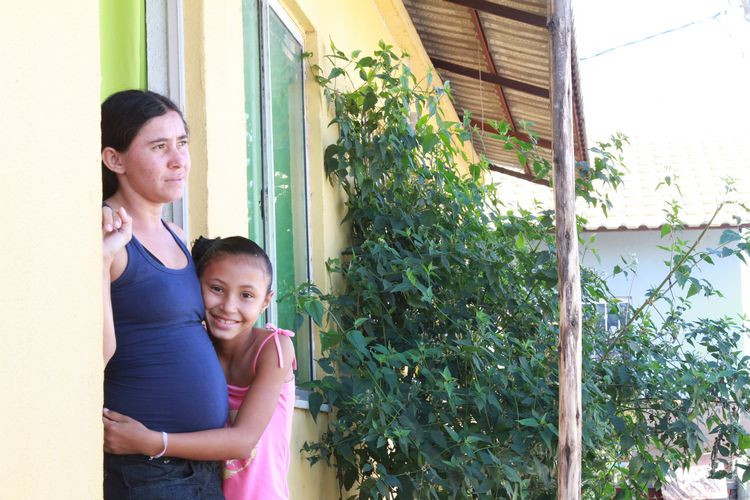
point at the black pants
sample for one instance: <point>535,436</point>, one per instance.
<point>135,477</point>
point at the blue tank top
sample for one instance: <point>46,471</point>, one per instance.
<point>164,371</point>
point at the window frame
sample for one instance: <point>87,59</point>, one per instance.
<point>268,212</point>
<point>165,61</point>
<point>624,306</point>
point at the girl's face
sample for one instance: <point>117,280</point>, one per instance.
<point>235,293</point>
<point>157,162</point>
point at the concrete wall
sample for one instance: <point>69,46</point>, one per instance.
<point>50,257</point>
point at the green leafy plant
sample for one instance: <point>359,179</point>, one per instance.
<point>440,340</point>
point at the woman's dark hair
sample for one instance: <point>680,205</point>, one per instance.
<point>207,249</point>
<point>123,115</point>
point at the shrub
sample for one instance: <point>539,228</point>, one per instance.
<point>440,344</point>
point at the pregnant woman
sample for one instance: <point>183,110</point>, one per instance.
<point>163,370</point>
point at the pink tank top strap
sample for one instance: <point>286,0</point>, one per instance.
<point>275,336</point>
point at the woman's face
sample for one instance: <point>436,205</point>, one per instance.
<point>157,162</point>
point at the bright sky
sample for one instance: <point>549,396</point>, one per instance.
<point>694,79</point>
<point>677,82</point>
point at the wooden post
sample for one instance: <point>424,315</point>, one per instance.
<point>569,276</point>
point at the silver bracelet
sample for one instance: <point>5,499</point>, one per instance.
<point>165,440</point>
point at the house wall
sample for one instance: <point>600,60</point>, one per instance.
<point>51,359</point>
<point>729,275</point>
<point>215,112</point>
<point>50,255</point>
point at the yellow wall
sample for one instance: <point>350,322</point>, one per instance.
<point>215,107</point>
<point>351,25</point>
<point>215,111</point>
<point>305,482</point>
<point>50,253</point>
<point>50,361</point>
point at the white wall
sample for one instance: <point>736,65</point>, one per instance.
<point>729,275</point>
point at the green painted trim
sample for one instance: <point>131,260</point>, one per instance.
<point>122,35</point>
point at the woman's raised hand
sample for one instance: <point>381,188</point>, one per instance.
<point>117,229</point>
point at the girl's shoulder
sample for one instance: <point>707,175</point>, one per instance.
<point>274,348</point>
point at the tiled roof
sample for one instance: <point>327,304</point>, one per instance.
<point>697,166</point>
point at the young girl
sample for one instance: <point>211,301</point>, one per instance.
<point>235,276</point>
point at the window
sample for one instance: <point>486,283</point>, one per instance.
<point>611,316</point>
<point>165,71</point>
<point>277,193</point>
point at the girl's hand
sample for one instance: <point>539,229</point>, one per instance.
<point>117,229</point>
<point>124,435</point>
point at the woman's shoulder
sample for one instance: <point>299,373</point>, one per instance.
<point>176,230</point>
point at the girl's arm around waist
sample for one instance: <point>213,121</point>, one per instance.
<point>123,435</point>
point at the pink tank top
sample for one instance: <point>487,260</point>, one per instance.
<point>263,476</point>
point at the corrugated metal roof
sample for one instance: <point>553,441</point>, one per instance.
<point>475,44</point>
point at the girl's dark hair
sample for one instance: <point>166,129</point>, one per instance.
<point>207,249</point>
<point>123,115</point>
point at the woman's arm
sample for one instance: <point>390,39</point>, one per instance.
<point>117,229</point>
<point>124,435</point>
<point>109,340</point>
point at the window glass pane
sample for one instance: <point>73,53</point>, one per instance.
<point>164,71</point>
<point>601,314</point>
<point>253,105</point>
<point>289,178</point>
